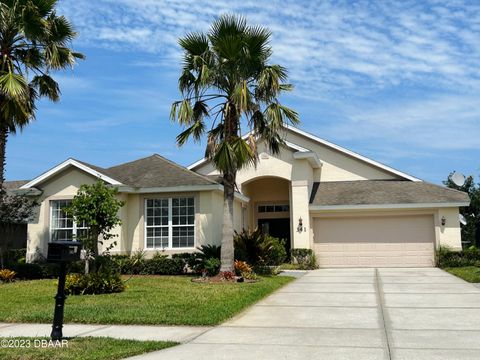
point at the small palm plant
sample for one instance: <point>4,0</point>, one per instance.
<point>227,79</point>
<point>34,40</point>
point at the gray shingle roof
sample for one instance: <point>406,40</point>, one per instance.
<point>373,192</point>
<point>152,171</point>
<point>14,185</point>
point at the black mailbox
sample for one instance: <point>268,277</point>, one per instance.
<point>64,251</point>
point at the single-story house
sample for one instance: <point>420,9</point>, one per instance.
<point>351,210</point>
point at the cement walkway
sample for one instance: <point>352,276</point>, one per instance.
<point>180,334</point>
<point>350,314</point>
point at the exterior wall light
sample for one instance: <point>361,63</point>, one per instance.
<point>300,225</point>
<point>444,220</point>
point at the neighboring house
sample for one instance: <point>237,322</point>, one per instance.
<point>352,211</point>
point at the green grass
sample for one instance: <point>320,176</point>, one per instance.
<point>169,300</point>
<point>468,273</point>
<point>82,348</point>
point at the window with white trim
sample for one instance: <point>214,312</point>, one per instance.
<point>62,226</point>
<point>170,223</point>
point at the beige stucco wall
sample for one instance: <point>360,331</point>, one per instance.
<point>62,186</point>
<point>338,166</point>
<point>131,234</point>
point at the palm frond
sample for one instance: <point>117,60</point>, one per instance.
<point>46,87</point>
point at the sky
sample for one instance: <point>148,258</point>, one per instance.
<point>396,81</point>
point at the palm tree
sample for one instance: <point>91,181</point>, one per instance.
<point>33,41</point>
<point>227,79</point>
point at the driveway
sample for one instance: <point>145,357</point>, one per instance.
<point>358,314</point>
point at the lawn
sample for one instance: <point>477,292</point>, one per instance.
<point>168,300</point>
<point>468,273</point>
<point>81,348</point>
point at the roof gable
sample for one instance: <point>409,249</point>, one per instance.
<point>71,163</point>
<point>151,172</point>
<point>291,143</point>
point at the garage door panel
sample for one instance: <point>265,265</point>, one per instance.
<point>381,241</point>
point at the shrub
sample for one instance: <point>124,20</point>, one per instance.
<point>94,283</point>
<point>242,267</point>
<point>34,271</point>
<point>228,275</point>
<point>163,265</point>
<point>211,267</point>
<point>256,248</point>
<point>7,275</point>
<point>448,258</point>
<point>304,258</point>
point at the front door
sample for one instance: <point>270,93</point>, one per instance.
<point>278,228</point>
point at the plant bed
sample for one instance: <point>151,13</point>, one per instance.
<point>85,348</point>
<point>221,279</point>
<point>155,300</point>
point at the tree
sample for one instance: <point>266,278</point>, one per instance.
<point>14,210</point>
<point>97,207</point>
<point>227,79</point>
<point>33,42</point>
<point>470,231</point>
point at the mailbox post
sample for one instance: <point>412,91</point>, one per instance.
<point>61,252</point>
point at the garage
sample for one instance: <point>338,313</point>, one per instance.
<point>375,241</point>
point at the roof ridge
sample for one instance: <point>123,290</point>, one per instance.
<point>131,161</point>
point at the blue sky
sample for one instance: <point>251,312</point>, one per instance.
<point>395,81</point>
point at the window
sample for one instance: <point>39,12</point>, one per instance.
<point>273,208</point>
<point>170,223</point>
<point>62,226</point>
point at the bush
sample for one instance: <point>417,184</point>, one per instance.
<point>304,258</point>
<point>35,271</point>
<point>211,267</point>
<point>448,258</point>
<point>242,267</point>
<point>94,283</point>
<point>163,265</point>
<point>256,248</point>
<point>7,275</point>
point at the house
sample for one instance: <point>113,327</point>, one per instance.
<point>351,210</point>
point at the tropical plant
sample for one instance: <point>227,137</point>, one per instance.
<point>257,248</point>
<point>227,78</point>
<point>7,275</point>
<point>97,207</point>
<point>33,40</point>
<point>305,259</point>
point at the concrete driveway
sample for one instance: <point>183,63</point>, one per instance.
<point>358,314</point>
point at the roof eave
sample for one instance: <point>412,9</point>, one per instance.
<point>60,167</point>
<point>321,208</point>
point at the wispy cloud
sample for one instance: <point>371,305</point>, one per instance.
<point>327,45</point>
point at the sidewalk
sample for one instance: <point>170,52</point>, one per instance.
<point>179,334</point>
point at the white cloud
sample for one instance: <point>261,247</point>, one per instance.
<point>444,122</point>
<point>326,45</point>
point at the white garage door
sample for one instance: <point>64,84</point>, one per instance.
<point>375,241</point>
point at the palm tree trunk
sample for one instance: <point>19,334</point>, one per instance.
<point>227,251</point>
<point>3,149</point>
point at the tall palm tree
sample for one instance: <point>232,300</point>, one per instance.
<point>34,40</point>
<point>227,79</point>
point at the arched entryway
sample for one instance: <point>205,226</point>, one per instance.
<point>269,206</point>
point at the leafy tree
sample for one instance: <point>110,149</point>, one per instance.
<point>33,42</point>
<point>14,210</point>
<point>96,206</point>
<point>227,79</point>
<point>470,231</point>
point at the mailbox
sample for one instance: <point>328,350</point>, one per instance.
<point>64,251</point>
